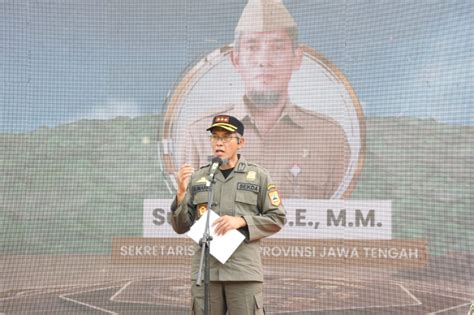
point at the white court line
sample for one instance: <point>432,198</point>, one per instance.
<point>418,302</point>
<point>461,296</point>
<point>64,297</point>
<point>451,308</point>
<point>425,287</point>
<point>120,290</point>
<point>114,297</point>
<point>137,279</point>
<point>451,294</point>
<point>33,291</point>
<point>410,294</point>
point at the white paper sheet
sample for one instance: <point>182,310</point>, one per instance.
<point>222,246</point>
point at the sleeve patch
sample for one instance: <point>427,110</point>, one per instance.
<point>274,198</point>
<point>271,186</point>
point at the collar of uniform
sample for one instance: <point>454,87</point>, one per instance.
<point>241,112</point>
<point>241,167</point>
<point>293,114</point>
<point>290,114</point>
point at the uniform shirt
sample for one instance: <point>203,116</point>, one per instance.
<point>247,192</point>
<point>306,153</point>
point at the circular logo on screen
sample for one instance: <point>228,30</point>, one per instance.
<point>313,147</point>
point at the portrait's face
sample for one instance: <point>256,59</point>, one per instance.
<point>266,61</point>
<point>225,144</point>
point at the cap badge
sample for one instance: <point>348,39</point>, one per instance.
<point>222,119</point>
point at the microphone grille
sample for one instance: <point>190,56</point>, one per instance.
<point>217,160</point>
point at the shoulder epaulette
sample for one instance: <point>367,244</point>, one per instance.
<point>257,166</point>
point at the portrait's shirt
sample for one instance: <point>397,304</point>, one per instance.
<point>306,153</point>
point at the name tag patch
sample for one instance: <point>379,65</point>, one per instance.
<point>199,188</point>
<point>248,187</point>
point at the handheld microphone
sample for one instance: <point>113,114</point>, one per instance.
<point>215,163</point>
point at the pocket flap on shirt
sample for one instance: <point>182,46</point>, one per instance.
<point>247,197</point>
<point>200,198</point>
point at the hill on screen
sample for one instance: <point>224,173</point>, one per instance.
<point>70,189</point>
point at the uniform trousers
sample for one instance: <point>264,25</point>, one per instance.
<point>229,297</point>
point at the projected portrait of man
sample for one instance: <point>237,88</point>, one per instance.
<point>307,153</point>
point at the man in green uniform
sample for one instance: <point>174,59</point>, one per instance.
<point>246,200</point>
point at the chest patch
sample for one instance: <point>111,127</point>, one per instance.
<point>201,209</point>
<point>248,187</point>
<point>251,176</point>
